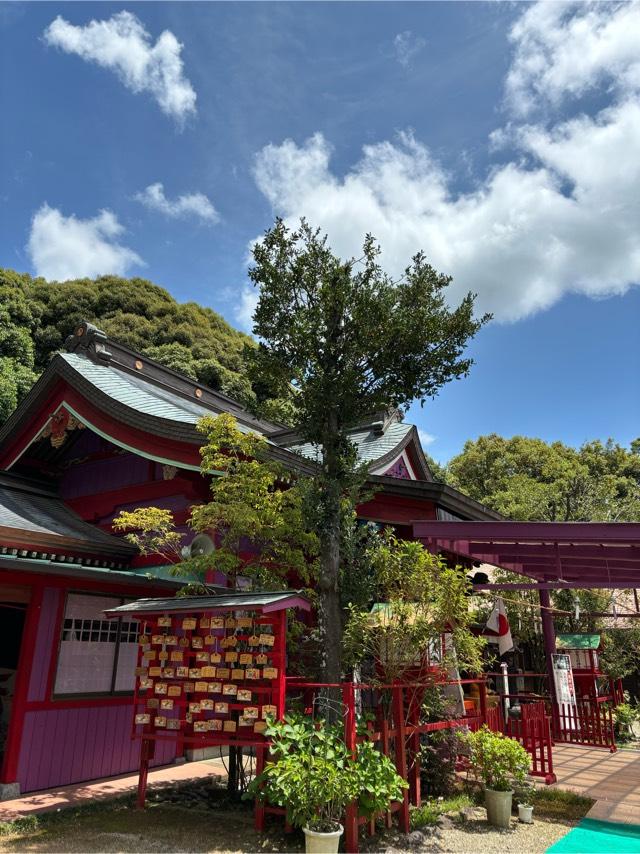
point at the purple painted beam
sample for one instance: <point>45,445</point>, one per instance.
<point>558,585</point>
<point>506,550</point>
<point>532,532</point>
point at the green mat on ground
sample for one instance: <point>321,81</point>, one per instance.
<point>593,837</point>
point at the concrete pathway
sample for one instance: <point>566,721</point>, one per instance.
<point>611,779</point>
<point>111,787</point>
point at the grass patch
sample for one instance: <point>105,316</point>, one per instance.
<point>428,814</point>
<point>559,803</point>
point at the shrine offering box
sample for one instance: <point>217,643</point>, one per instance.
<point>227,665</point>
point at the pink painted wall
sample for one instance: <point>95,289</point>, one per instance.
<point>69,745</point>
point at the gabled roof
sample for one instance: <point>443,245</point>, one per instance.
<point>265,601</point>
<point>35,522</point>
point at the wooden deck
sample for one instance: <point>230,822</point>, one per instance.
<point>612,779</point>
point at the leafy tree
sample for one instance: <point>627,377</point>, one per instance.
<point>18,320</point>
<point>529,479</point>
<point>135,312</point>
<point>351,342</point>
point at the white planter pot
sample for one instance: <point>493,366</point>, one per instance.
<point>322,843</point>
<point>498,806</point>
<point>525,813</point>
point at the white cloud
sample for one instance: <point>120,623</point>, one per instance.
<point>406,45</point>
<point>245,309</point>
<point>189,204</point>
<point>64,247</point>
<point>562,215</point>
<point>124,46</point>
<point>425,438</point>
<point>565,50</point>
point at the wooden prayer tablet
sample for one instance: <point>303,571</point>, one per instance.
<point>223,672</point>
<point>189,623</point>
<point>269,672</point>
<point>177,655</point>
<point>168,673</point>
<point>222,708</point>
<point>163,655</point>
<point>201,687</point>
<point>260,726</point>
<point>244,696</point>
<point>202,657</point>
<point>174,690</point>
<point>237,673</point>
<point>217,622</point>
<point>229,690</point>
<point>165,622</point>
<point>251,712</point>
<point>155,671</point>
<point>195,708</point>
<point>215,657</point>
<point>208,671</point>
<point>160,721</point>
<point>232,641</point>
<point>206,705</point>
<point>269,711</point>
<point>215,688</point>
<point>143,719</point>
<point>141,671</point>
<point>173,723</point>
<point>267,640</point>
<point>244,622</point>
<point>166,704</point>
<point>252,673</point>
<point>244,722</point>
<point>158,640</point>
<point>145,683</point>
<point>209,640</point>
<point>194,673</point>
<point>246,658</point>
<point>215,724</point>
<point>230,623</point>
<point>188,686</point>
<point>183,642</point>
<point>171,640</point>
<point>262,658</point>
<point>200,726</point>
<point>153,703</point>
<point>231,657</point>
<point>229,726</point>
<point>197,642</point>
<point>160,688</point>
<point>149,654</point>
<point>205,622</point>
<point>253,640</point>
<point>143,639</point>
<point>182,672</point>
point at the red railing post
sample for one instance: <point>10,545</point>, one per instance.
<point>401,752</point>
<point>351,812</point>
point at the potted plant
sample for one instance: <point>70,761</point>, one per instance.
<point>498,762</point>
<point>313,776</point>
<point>524,797</point>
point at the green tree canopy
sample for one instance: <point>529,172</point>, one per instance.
<point>135,312</point>
<point>351,341</point>
<point>532,480</point>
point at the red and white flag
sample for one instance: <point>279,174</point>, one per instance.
<point>499,624</point>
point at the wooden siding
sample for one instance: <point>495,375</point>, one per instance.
<point>62,745</point>
<point>72,745</point>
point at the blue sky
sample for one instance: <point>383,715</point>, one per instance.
<point>500,138</point>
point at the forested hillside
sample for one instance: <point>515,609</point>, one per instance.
<point>36,316</point>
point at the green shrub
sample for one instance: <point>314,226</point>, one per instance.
<point>498,761</point>
<point>313,776</point>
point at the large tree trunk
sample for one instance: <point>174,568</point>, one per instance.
<point>330,612</point>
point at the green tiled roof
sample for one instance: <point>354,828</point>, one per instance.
<point>371,445</point>
<point>577,641</point>
<point>138,393</point>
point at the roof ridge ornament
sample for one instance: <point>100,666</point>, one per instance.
<point>89,339</point>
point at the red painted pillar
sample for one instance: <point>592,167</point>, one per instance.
<point>351,812</point>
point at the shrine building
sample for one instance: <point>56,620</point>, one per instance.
<point>106,429</point>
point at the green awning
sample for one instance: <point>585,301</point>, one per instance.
<point>579,641</point>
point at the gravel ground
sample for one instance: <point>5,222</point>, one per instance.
<point>473,835</point>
